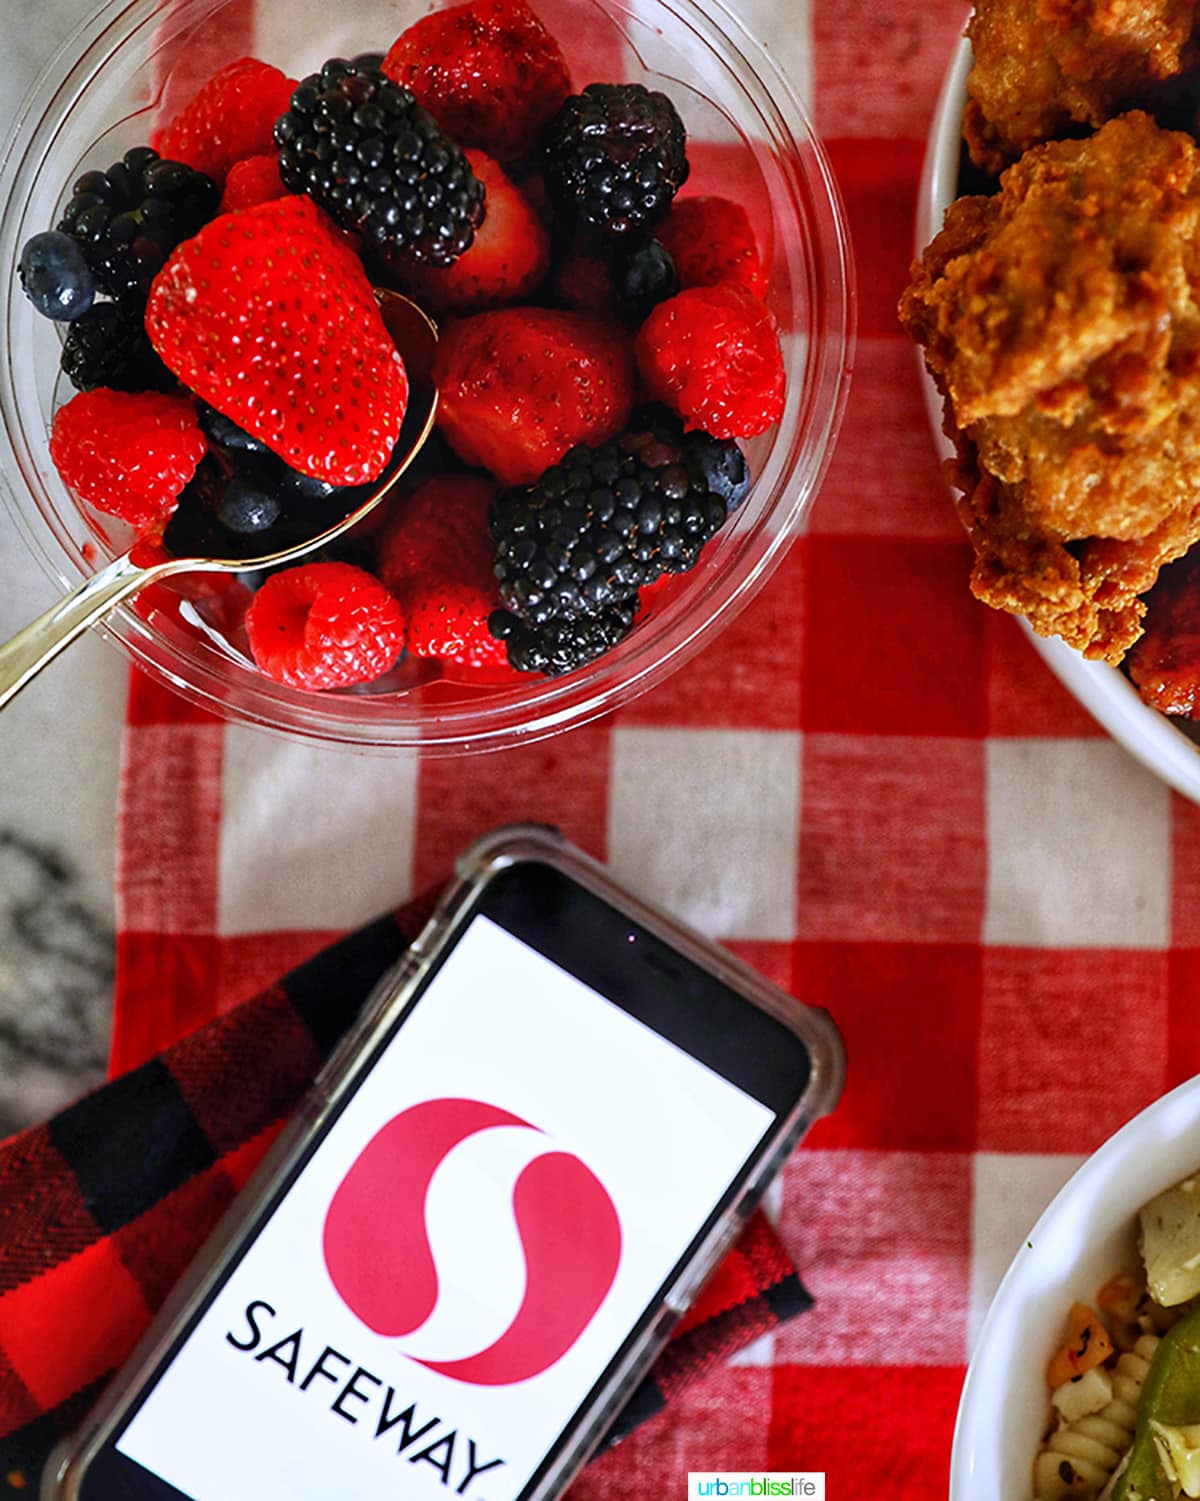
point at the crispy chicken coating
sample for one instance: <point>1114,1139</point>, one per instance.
<point>1045,68</point>
<point>1061,321</point>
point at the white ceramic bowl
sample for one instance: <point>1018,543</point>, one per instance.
<point>1156,741</point>
<point>1085,1236</point>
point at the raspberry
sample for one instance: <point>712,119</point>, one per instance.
<point>489,72</point>
<point>254,180</point>
<point>127,453</point>
<point>436,558</point>
<point>712,354</point>
<point>230,118</point>
<point>365,151</point>
<point>324,625</point>
<point>615,157</point>
<point>710,240</point>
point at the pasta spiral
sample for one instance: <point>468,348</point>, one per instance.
<point>1079,1458</point>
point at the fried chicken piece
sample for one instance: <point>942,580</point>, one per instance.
<point>1061,321</point>
<point>1165,663</point>
<point>1045,68</point>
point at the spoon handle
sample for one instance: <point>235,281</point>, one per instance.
<point>40,642</point>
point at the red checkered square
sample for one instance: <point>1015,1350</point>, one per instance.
<point>149,702</point>
<point>879,67</point>
<point>885,477</point>
<point>720,1423</point>
<point>562,781</point>
<point>1072,1043</point>
<point>892,839</point>
<point>909,1016</point>
<point>1024,697</point>
<point>878,179</point>
<point>167,984</point>
<point>893,640</point>
<point>90,1306</point>
<point>882,1240</point>
<point>749,677</point>
<point>250,962</point>
<point>167,861</point>
<point>873,1432</point>
<point>774,960</point>
<point>1185,872</point>
<point>1183,1015</point>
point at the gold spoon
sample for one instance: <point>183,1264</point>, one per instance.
<point>22,658</point>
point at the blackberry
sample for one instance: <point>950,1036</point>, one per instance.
<point>605,521</point>
<point>562,645</point>
<point>128,220</point>
<point>55,276</point>
<point>614,157</point>
<point>109,346</point>
<point>363,149</point>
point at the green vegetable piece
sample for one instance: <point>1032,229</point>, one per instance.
<point>1171,1396</point>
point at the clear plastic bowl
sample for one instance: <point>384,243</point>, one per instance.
<point>101,95</point>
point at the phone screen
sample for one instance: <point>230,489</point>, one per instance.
<point>454,1266</point>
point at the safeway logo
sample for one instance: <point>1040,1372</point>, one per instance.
<point>378,1253</point>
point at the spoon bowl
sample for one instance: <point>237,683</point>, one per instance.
<point>22,658</point>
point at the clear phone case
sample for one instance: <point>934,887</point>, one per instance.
<point>477,866</point>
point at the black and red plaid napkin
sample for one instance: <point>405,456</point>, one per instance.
<point>102,1208</point>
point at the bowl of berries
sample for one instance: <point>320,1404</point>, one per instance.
<point>626,240</point>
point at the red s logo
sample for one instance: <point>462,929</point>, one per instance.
<point>378,1254</point>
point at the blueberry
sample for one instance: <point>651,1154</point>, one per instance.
<point>721,466</point>
<point>56,277</point>
<point>644,277</point>
<point>225,433</point>
<point>247,507</point>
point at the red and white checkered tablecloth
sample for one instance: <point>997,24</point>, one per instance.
<point>869,786</point>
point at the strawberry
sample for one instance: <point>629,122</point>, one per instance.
<point>517,388</point>
<point>128,453</point>
<point>710,240</point>
<point>489,72</point>
<point>231,117</point>
<point>324,625</point>
<point>253,180</point>
<point>583,280</point>
<point>270,318</point>
<point>507,258</point>
<point>712,354</point>
<point>436,558</point>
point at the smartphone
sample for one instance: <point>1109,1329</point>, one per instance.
<point>507,1184</point>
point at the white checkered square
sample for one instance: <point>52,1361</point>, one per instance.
<point>1079,847</point>
<point>1010,1192</point>
<point>704,822</point>
<point>312,837</point>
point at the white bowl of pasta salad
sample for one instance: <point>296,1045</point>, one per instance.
<point>1085,1239</point>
